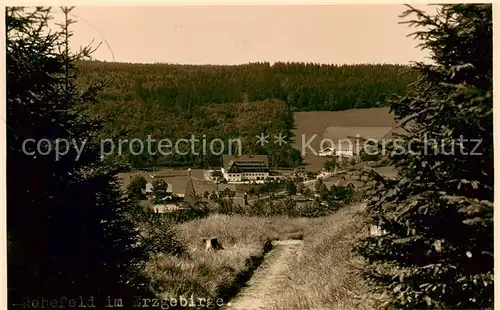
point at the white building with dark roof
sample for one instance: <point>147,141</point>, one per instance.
<point>245,168</point>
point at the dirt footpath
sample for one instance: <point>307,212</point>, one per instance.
<point>260,289</point>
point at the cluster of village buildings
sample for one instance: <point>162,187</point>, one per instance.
<point>236,169</point>
<point>344,142</point>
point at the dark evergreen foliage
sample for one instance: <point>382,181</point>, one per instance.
<point>331,164</point>
<point>68,233</point>
<point>290,187</point>
<point>304,86</point>
<point>436,249</point>
<point>160,188</point>
<point>136,188</point>
<point>200,126</point>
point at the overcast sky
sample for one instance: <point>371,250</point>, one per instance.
<point>340,34</point>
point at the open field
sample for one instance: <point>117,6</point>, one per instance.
<point>175,177</point>
<point>308,124</point>
<point>178,179</point>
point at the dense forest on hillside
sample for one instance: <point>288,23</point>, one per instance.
<point>237,121</point>
<point>177,101</point>
<point>306,87</point>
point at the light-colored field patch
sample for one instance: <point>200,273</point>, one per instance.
<point>307,124</point>
<point>178,179</point>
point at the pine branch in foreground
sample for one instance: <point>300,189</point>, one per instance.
<point>436,249</point>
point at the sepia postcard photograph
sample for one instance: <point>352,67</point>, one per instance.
<point>247,156</point>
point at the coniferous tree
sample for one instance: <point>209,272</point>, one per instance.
<point>66,215</point>
<point>436,246</point>
<point>137,188</point>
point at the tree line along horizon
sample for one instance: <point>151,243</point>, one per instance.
<point>176,101</point>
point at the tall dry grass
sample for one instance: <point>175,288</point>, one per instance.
<point>327,275</point>
<point>220,274</point>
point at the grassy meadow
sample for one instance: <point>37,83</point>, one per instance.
<point>325,276</point>
<point>220,274</point>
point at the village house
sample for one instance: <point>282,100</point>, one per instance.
<point>276,176</point>
<point>245,168</point>
<point>216,175</point>
<point>300,173</point>
<point>225,189</point>
<point>177,201</point>
<point>149,190</point>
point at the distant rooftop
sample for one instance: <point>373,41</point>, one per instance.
<point>189,192</point>
<point>340,134</point>
<point>221,187</point>
<point>245,161</point>
<point>216,173</point>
